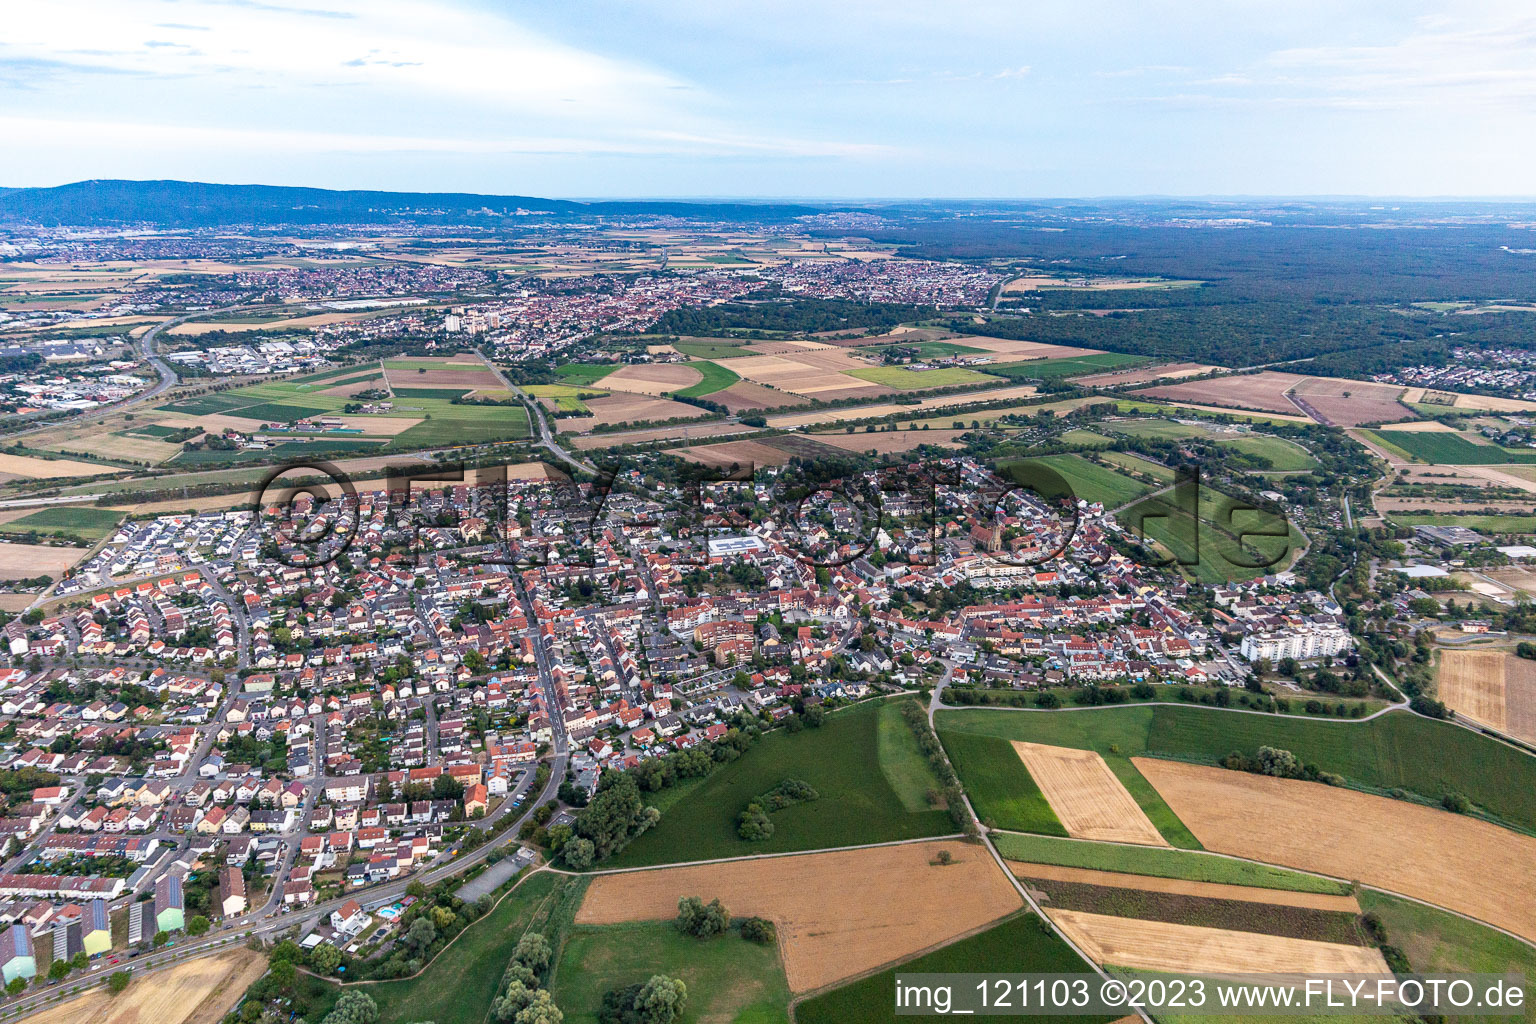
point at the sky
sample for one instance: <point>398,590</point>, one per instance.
<point>840,99</point>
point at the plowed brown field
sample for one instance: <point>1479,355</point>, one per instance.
<point>838,914</point>
<point>1184,887</point>
<point>1264,391</point>
<point>1450,860</point>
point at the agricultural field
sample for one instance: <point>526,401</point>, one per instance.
<point>838,913</point>
<point>1349,403</point>
<point>1070,366</point>
<point>1162,430</point>
<point>1265,391</point>
<point>887,442</point>
<point>621,407</point>
<point>86,522</point>
<point>728,979</point>
<point>1213,555</point>
<point>1443,449</point>
<point>1190,949</point>
<point>1339,901</point>
<point>1114,735</point>
<point>563,397</point>
<point>711,348</point>
<point>822,417</point>
<point>714,378</point>
<point>1090,481</point>
<point>744,396</point>
<point>1086,796</point>
<point>1001,789</point>
<point>1283,455</point>
<point>26,561</point>
<point>28,467</point>
<point>1021,943</point>
<point>840,760</point>
<point>927,349</point>
<point>903,379</point>
<point>579,374</point>
<point>1145,374</point>
<point>821,371</point>
<point>677,431</point>
<point>1136,464</point>
<point>1482,524</point>
<point>1085,439</point>
<point>1448,859</point>
<point>736,453</point>
<point>1439,942</point>
<point>1493,688</point>
<point>197,992</point>
<point>654,379</point>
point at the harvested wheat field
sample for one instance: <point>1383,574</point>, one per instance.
<point>741,453</point>
<point>1008,351</point>
<point>1263,391</point>
<point>874,411</point>
<point>1186,949</point>
<point>1086,796</point>
<point>198,992</point>
<point>24,561</point>
<point>679,431</point>
<point>1144,374</point>
<point>630,407</point>
<point>887,442</point>
<point>1424,427</point>
<point>1184,887</point>
<point>652,378</point>
<point>46,469</point>
<point>815,374</point>
<point>1492,688</point>
<point>838,914</point>
<point>744,396</point>
<point>1450,860</point>
<point>1349,403</point>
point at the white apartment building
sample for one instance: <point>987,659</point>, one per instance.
<point>1301,644</point>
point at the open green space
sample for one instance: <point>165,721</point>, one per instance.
<point>840,760</point>
<point>565,397</point>
<point>584,373</point>
<point>1136,464</point>
<point>1085,438</point>
<point>278,452</point>
<point>716,378</point>
<point>1089,481</point>
<point>902,762</point>
<point>903,379</point>
<point>1482,524</point>
<point>928,349</point>
<point>712,348</point>
<point>84,522</point>
<point>1021,944</point>
<point>1282,454</point>
<point>1000,787</point>
<point>729,979</point>
<point>1068,366</point>
<point>1440,449</point>
<point>1396,751</point>
<point>465,424</point>
<point>1192,865</point>
<point>448,394</point>
<point>1208,550</point>
<point>1162,430</point>
<point>1436,941</point>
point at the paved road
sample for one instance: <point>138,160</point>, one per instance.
<point>540,422</point>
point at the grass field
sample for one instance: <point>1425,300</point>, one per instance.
<point>903,379</point>
<point>584,373</point>
<point>1482,524</point>
<point>1020,944</point>
<point>840,760</point>
<point>1085,439</point>
<point>565,397</point>
<point>1208,552</point>
<point>713,349</point>
<point>1192,865</point>
<point>902,763</point>
<point>1282,454</point>
<point>928,349</point>
<point>1137,464</point>
<point>1441,449</point>
<point>1071,366</point>
<point>85,522</point>
<point>448,394</point>
<point>460,984</point>
<point>1090,481</point>
<point>1439,942</point>
<point>728,978</point>
<point>716,378</point>
<point>1398,750</point>
<point>1162,430</point>
<point>1000,787</point>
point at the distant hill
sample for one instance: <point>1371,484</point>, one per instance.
<point>186,204</point>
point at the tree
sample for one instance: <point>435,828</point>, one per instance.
<point>57,970</point>
<point>533,952</point>
<point>758,929</point>
<point>353,1007</point>
<point>579,854</point>
<point>1279,763</point>
<point>198,925</point>
<point>80,961</point>
<point>754,825</point>
<point>421,934</point>
<point>661,1000</point>
<point>325,957</point>
<point>117,982</point>
<point>702,920</point>
<point>17,984</point>
<point>541,1010</point>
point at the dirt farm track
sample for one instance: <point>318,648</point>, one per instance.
<point>838,914</point>
<point>1450,860</point>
